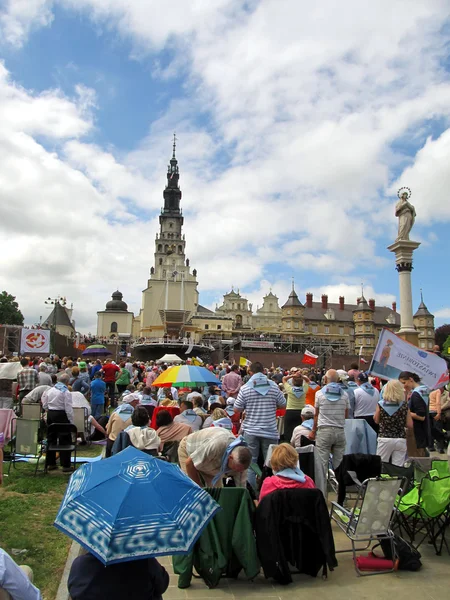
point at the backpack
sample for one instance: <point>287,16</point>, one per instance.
<point>408,557</point>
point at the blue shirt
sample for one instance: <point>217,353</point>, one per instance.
<point>98,388</point>
<point>14,580</point>
<point>94,370</point>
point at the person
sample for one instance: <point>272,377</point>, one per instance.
<point>6,393</point>
<point>35,395</point>
<point>215,396</point>
<point>354,371</point>
<point>57,401</point>
<point>332,406</point>
<point>77,383</point>
<point>232,382</point>
<point>84,374</point>
<point>296,398</point>
<point>79,401</point>
<point>16,582</point>
<point>435,409</point>
<point>311,388</point>
<point>218,418</point>
<point>152,375</point>
<point>95,368</point>
<point>43,375</point>
<point>198,406</point>
<point>208,455</point>
<point>98,389</point>
<point>168,431</point>
<point>259,398</point>
<point>418,406</point>
<point>27,379</point>
<point>120,420</point>
<point>349,386</point>
<point>129,367</point>
<point>393,417</point>
<point>123,378</point>
<point>139,434</point>
<point>366,400</point>
<point>89,579</point>
<point>110,371</point>
<point>286,472</point>
<point>307,424</point>
<point>188,416</point>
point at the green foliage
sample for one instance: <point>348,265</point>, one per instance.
<point>9,310</point>
<point>446,347</point>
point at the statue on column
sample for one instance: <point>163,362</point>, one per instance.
<point>406,214</point>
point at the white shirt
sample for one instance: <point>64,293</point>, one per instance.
<point>365,404</point>
<point>54,399</point>
<point>14,581</point>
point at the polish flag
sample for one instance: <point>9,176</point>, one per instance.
<point>309,358</point>
<point>363,360</point>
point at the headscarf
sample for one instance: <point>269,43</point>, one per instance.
<point>239,441</point>
<point>332,392</point>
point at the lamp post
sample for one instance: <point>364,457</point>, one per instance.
<point>55,302</point>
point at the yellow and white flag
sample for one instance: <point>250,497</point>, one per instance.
<point>244,362</point>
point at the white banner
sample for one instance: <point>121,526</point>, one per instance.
<point>393,355</point>
<point>35,341</point>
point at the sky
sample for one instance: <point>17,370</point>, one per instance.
<point>296,124</point>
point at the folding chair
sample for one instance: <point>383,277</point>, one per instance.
<point>25,442</point>
<point>31,411</point>
<point>81,421</point>
<point>371,517</point>
<point>66,439</point>
<point>425,512</point>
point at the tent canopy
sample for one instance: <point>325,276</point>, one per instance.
<point>170,358</point>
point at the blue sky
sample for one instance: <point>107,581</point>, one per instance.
<point>296,126</point>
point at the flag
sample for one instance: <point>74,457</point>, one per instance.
<point>363,360</point>
<point>360,351</point>
<point>244,362</point>
<point>196,361</point>
<point>309,358</point>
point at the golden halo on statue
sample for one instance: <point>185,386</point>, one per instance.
<point>402,190</point>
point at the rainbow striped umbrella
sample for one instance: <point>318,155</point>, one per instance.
<point>186,376</point>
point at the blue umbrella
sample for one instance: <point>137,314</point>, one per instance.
<point>133,506</point>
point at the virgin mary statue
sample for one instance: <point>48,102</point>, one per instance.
<point>406,214</point>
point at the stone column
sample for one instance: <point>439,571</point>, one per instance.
<point>403,250</point>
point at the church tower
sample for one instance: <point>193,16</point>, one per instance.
<point>172,288</point>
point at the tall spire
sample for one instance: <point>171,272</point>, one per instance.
<point>174,145</point>
<point>172,193</point>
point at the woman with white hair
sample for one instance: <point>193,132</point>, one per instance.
<point>393,417</point>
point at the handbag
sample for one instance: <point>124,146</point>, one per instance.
<point>408,556</point>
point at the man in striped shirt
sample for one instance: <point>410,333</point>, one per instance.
<point>259,398</point>
<point>332,406</point>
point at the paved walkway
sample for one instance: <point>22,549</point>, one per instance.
<point>430,583</point>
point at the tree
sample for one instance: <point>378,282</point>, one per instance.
<point>9,310</point>
<point>441,334</point>
<point>446,347</point>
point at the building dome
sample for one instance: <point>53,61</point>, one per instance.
<point>117,304</point>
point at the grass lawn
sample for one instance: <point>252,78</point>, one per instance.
<point>28,506</point>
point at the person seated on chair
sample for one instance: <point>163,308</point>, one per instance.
<point>188,416</point>
<point>286,472</point>
<point>138,434</point>
<point>120,420</point>
<point>306,426</point>
<point>198,406</point>
<point>217,415</point>
<point>15,581</point>
<point>146,397</point>
<point>57,401</point>
<point>79,401</point>
<point>144,579</point>
<point>168,431</point>
<point>215,397</point>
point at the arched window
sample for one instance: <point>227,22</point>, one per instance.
<point>238,320</point>
<point>166,247</point>
<point>113,327</point>
<point>159,247</point>
<point>180,249</point>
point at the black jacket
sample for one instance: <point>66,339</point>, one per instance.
<point>364,465</point>
<point>293,526</point>
<point>144,579</point>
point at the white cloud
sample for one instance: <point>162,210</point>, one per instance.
<point>19,17</point>
<point>302,103</point>
<point>442,313</point>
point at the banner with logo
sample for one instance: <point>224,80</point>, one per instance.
<point>35,340</point>
<point>257,344</point>
<point>393,355</point>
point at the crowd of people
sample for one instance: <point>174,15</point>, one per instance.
<point>219,433</point>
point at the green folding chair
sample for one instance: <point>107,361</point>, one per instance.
<point>26,445</point>
<point>425,512</point>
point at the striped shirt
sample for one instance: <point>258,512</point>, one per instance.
<point>331,414</point>
<point>260,411</point>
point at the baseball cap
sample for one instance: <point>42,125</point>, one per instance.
<point>342,374</point>
<point>308,411</point>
